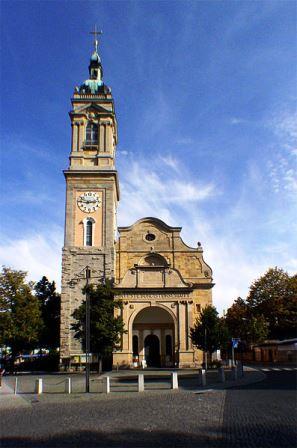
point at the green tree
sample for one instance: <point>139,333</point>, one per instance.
<point>242,324</point>
<point>209,332</point>
<point>274,297</point>
<point>50,302</point>
<point>20,316</point>
<point>105,327</point>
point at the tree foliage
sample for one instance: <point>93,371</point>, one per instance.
<point>49,301</point>
<point>20,316</point>
<point>209,333</point>
<point>274,296</point>
<point>242,324</point>
<point>270,310</point>
<point>105,328</point>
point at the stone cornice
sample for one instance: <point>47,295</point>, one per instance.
<point>150,290</point>
<point>95,173</point>
<point>203,285</point>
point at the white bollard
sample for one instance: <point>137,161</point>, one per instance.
<point>203,377</point>
<point>68,386</point>
<point>234,373</point>
<point>174,380</point>
<point>221,372</point>
<point>15,389</point>
<point>38,386</point>
<point>106,385</point>
<point>140,382</point>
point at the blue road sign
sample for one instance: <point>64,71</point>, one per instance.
<point>235,342</point>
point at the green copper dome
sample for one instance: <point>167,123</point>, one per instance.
<point>91,85</point>
<point>94,84</point>
<point>95,57</point>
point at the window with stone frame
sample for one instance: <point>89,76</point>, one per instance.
<point>89,233</point>
<point>92,133</point>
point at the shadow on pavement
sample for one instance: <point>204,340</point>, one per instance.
<point>149,438</point>
<point>272,382</point>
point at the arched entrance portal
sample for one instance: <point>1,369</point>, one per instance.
<point>153,337</point>
<point>152,350</point>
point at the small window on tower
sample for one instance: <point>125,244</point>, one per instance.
<point>92,134</point>
<point>89,233</point>
<point>198,308</point>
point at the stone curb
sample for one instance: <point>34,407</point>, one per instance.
<point>256,377</point>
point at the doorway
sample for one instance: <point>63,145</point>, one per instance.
<point>152,350</point>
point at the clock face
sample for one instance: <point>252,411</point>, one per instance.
<point>89,202</point>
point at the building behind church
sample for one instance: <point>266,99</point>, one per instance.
<point>162,282</point>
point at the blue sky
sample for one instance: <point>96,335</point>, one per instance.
<point>205,95</point>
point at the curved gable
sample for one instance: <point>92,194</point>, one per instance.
<point>153,221</point>
<point>153,236</point>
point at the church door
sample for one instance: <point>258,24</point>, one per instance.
<point>152,351</point>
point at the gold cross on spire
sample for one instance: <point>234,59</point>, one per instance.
<point>96,34</point>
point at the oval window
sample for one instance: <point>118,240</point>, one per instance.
<point>150,237</point>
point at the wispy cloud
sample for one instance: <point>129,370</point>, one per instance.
<point>147,190</point>
<point>236,120</point>
<point>38,253</point>
<point>122,152</point>
<point>282,166</point>
<point>284,125</point>
<point>185,140</point>
<point>170,161</point>
<point>177,199</point>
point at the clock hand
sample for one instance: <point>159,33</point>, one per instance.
<point>88,201</point>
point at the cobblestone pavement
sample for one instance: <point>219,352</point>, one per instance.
<point>260,415</point>
<point>263,414</point>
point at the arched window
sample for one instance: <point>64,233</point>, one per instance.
<point>89,233</point>
<point>168,345</point>
<point>92,134</point>
<point>89,225</point>
<point>135,345</point>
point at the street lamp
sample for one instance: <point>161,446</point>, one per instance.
<point>88,276</point>
<point>205,347</point>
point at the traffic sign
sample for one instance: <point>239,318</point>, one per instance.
<point>235,342</point>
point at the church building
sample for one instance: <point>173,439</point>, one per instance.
<point>162,282</point>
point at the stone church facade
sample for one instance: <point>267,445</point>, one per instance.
<point>162,282</point>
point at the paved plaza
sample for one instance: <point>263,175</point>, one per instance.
<point>259,414</point>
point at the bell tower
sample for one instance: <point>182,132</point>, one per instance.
<point>92,194</point>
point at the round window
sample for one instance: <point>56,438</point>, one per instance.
<point>150,237</point>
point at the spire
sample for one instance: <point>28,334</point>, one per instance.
<point>95,67</point>
<point>95,82</point>
<point>96,34</point>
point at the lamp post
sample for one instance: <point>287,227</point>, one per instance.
<point>88,276</point>
<point>205,346</point>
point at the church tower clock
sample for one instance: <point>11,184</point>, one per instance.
<point>92,194</point>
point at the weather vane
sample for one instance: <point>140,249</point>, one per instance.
<point>96,34</point>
